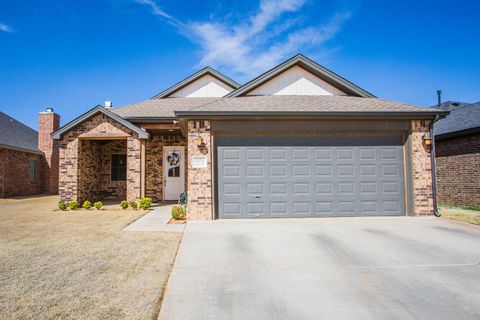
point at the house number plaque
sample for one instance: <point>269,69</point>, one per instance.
<point>199,162</point>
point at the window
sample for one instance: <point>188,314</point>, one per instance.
<point>118,170</point>
<point>33,170</point>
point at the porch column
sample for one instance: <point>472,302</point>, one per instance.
<point>134,168</point>
<point>68,168</point>
<point>142,169</point>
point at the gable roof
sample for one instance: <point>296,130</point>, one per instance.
<point>197,75</point>
<point>17,135</point>
<point>99,109</point>
<point>462,120</point>
<point>309,65</point>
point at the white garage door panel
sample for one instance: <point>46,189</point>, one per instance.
<point>310,181</point>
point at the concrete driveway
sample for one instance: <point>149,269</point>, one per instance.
<point>339,268</point>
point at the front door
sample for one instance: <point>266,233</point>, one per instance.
<point>173,172</point>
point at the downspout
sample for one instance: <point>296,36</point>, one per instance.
<point>432,157</point>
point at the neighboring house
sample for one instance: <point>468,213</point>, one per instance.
<point>296,141</point>
<point>457,146</point>
<point>28,159</point>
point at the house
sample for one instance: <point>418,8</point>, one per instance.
<point>296,141</point>
<point>457,147</point>
<point>28,159</point>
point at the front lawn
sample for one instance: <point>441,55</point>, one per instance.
<point>456,213</point>
<point>79,264</point>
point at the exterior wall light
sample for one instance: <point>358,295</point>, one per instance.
<point>199,140</point>
<point>427,139</point>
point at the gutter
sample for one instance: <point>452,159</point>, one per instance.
<point>433,156</point>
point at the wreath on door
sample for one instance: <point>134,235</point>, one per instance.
<point>173,158</point>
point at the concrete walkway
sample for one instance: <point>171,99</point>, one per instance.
<point>156,220</point>
<point>332,268</point>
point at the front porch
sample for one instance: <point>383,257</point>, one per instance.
<point>102,159</point>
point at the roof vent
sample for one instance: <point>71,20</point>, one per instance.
<point>49,109</point>
<point>108,104</point>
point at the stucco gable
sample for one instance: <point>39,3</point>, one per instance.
<point>297,81</point>
<point>284,79</point>
<point>207,82</point>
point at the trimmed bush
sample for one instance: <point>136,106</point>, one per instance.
<point>73,205</point>
<point>98,205</point>
<point>87,205</point>
<point>133,205</point>
<point>178,213</point>
<point>124,204</point>
<point>145,203</point>
<point>62,206</point>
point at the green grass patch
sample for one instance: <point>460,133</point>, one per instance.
<point>466,207</point>
<point>464,213</point>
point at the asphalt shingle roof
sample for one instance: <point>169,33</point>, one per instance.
<point>15,134</point>
<point>294,104</point>
<point>160,108</point>
<point>463,117</point>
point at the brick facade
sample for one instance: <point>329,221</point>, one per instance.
<point>15,173</point>
<point>85,165</point>
<point>154,163</point>
<point>79,157</point>
<point>94,175</point>
<point>458,170</point>
<point>199,184</point>
<point>49,122</point>
<point>422,170</point>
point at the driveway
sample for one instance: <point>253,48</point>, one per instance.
<point>339,268</point>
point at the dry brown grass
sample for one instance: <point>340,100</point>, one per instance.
<point>470,216</point>
<point>79,264</point>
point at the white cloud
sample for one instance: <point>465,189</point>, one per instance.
<point>260,41</point>
<point>5,28</point>
<point>156,10</point>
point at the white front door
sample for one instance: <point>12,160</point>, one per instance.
<point>173,172</point>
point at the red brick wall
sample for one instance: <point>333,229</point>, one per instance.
<point>15,174</point>
<point>458,170</point>
<point>49,122</point>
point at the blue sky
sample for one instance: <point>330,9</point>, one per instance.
<point>73,55</point>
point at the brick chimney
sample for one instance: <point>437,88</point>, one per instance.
<point>48,122</point>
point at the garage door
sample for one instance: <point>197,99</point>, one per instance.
<point>310,176</point>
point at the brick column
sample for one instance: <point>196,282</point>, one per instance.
<point>68,170</point>
<point>49,122</point>
<point>422,170</point>
<point>134,156</point>
<point>199,180</point>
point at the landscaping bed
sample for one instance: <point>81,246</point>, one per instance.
<point>79,263</point>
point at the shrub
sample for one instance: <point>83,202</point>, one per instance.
<point>124,204</point>
<point>62,206</point>
<point>87,205</point>
<point>145,203</point>
<point>133,205</point>
<point>73,205</point>
<point>98,205</point>
<point>178,213</point>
